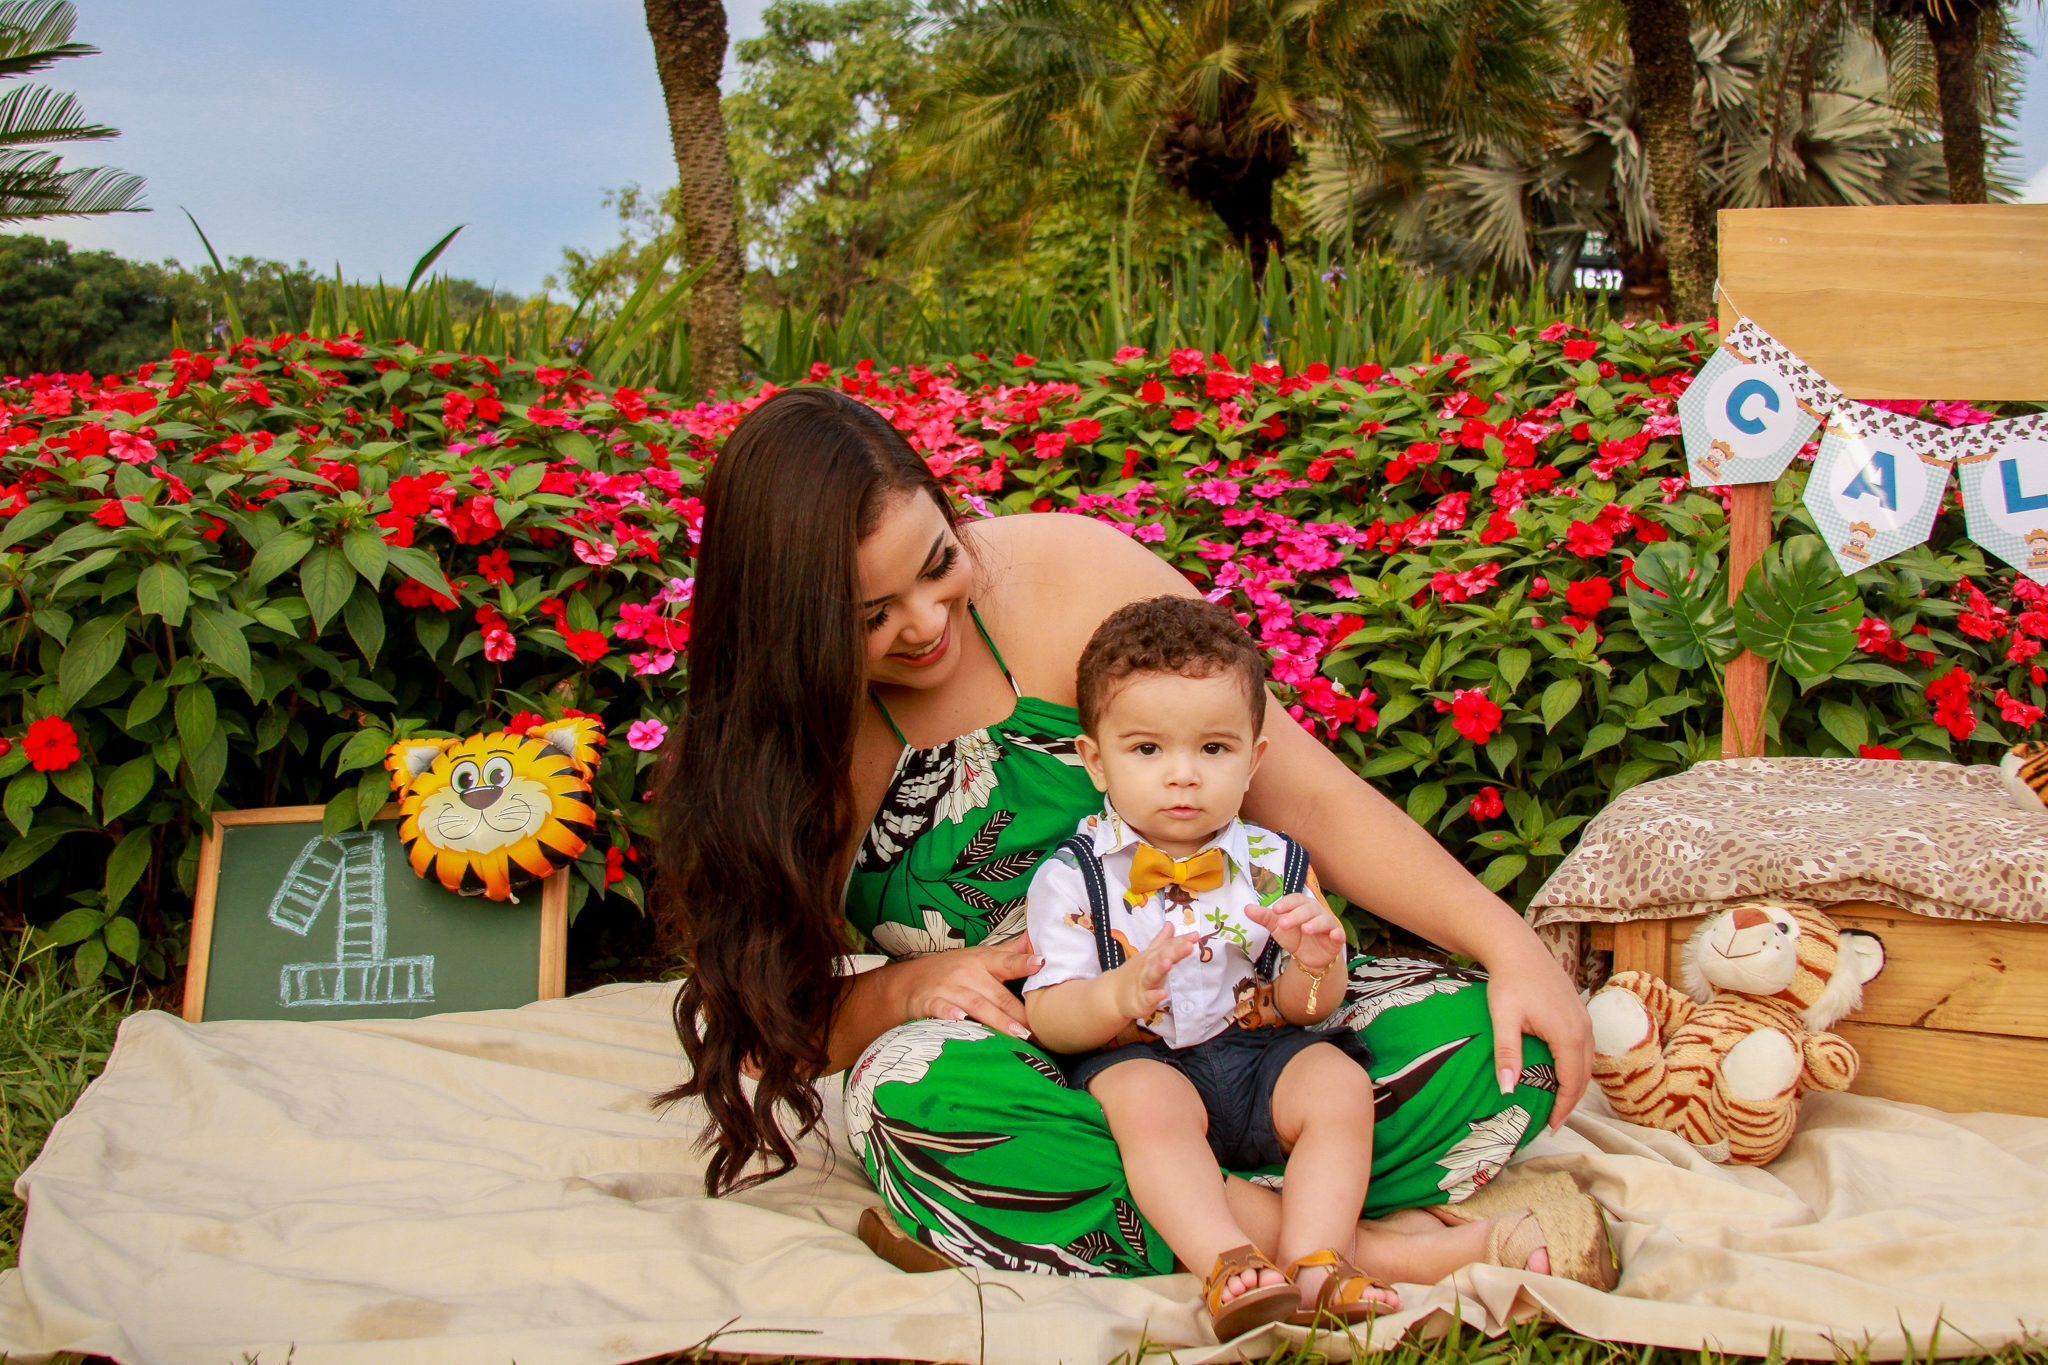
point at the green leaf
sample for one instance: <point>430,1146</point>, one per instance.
<point>1558,700</point>
<point>33,520</point>
<point>1795,611</point>
<point>279,553</point>
<point>129,860</point>
<point>363,749</point>
<point>526,478</point>
<point>1514,666</point>
<point>366,549</point>
<point>90,962</point>
<point>364,617</point>
<point>124,940</point>
<point>1865,671</point>
<point>74,926</point>
<point>98,559</point>
<point>147,703</point>
<point>371,793</point>
<point>433,632</point>
<point>582,615</point>
<point>220,637</point>
<point>1603,737</point>
<point>1392,761</point>
<point>1845,723</point>
<point>29,847</point>
<point>75,782</point>
<point>1501,751</point>
<point>419,566</point>
<point>340,814</point>
<point>24,794</point>
<point>94,650</point>
<point>328,579</point>
<point>130,783</point>
<point>54,623</point>
<point>1502,870</point>
<point>195,713</point>
<point>209,765</point>
<point>1425,801</point>
<point>1689,624</point>
<point>162,591</point>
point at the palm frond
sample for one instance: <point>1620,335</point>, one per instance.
<point>36,113</point>
<point>35,34</point>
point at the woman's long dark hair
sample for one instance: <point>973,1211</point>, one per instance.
<point>756,793</point>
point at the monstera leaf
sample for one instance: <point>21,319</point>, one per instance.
<point>1680,607</point>
<point>1795,609</point>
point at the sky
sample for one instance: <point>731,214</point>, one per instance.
<point>358,133</point>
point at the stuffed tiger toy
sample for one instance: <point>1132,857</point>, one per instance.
<point>1723,1064</point>
<point>2024,770</point>
<point>496,813</point>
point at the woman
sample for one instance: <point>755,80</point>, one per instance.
<point>880,733</point>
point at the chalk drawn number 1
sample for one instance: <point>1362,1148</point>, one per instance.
<point>360,974</point>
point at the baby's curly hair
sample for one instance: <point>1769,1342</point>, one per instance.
<point>1183,635</point>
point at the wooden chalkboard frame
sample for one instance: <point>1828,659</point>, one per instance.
<point>553,965</point>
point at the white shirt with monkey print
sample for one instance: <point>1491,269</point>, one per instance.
<point>1207,990</point>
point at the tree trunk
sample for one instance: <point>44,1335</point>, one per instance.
<point>1235,182</point>
<point>689,52</point>
<point>1954,36</point>
<point>1660,42</point>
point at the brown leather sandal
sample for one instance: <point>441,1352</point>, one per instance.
<point>1253,1308</point>
<point>882,1235</point>
<point>1340,1301</point>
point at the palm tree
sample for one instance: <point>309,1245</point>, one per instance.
<point>689,53</point>
<point>35,34</point>
<point>1808,108</point>
<point>1956,31</point>
<point>1660,42</point>
<point>1218,96</point>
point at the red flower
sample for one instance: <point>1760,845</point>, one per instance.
<point>1950,694</point>
<point>1875,751</point>
<point>1580,350</point>
<point>1589,538</point>
<point>614,860</point>
<point>1024,362</point>
<point>110,513</point>
<point>1151,391</point>
<point>1500,526</point>
<point>1472,715</point>
<point>51,744</point>
<point>1083,429</point>
<point>2016,711</point>
<point>1486,805</point>
<point>495,566</point>
<point>525,721</point>
<point>1872,635</point>
<point>1539,588</point>
<point>1186,419</point>
<point>1591,597</point>
<point>587,645</point>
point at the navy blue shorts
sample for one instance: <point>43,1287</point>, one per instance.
<point>1234,1073</point>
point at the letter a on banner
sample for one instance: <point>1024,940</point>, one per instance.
<point>1751,408</point>
<point>2004,473</point>
<point>1877,483</point>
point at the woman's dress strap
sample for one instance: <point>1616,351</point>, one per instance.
<point>993,650</point>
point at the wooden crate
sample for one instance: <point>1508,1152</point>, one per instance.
<point>1958,1019</point>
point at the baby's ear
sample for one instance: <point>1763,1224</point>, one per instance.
<point>408,758</point>
<point>576,738</point>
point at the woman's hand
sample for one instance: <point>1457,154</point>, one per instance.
<point>1303,926</point>
<point>967,983</point>
<point>1527,992</point>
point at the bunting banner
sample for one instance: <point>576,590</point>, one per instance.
<point>1877,483</point>
<point>2003,469</point>
<point>1750,409</point>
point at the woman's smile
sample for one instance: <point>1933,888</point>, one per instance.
<point>929,654</point>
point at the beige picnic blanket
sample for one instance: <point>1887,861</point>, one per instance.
<point>493,1186</point>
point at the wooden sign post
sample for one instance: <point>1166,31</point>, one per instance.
<point>293,923</point>
<point>1899,301</point>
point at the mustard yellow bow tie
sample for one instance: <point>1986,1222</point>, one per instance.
<point>1151,869</point>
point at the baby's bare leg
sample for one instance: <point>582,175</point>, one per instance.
<point>1160,1128</point>
<point>1323,1115</point>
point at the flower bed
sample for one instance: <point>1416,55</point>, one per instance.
<point>232,579</point>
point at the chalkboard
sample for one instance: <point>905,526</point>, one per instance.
<point>291,923</point>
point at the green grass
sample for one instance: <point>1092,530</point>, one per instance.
<point>54,1040</point>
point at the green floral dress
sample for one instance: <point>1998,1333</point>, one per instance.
<point>974,1139</point>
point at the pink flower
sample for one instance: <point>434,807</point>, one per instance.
<point>652,664</point>
<point>598,553</point>
<point>678,590</point>
<point>1126,354</point>
<point>1222,492</point>
<point>1153,532</point>
<point>646,735</point>
<point>499,645</point>
<point>130,447</point>
<point>1557,331</point>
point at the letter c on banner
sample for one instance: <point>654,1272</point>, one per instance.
<point>1740,396</point>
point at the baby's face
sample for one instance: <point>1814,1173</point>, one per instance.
<point>1175,756</point>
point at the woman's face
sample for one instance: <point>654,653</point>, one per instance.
<point>913,586</point>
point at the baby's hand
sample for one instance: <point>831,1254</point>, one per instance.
<point>1141,981</point>
<point>1303,926</point>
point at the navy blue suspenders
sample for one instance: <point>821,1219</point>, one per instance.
<point>1110,954</point>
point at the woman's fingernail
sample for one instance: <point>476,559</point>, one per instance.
<point>1507,1080</point>
<point>1019,1031</point>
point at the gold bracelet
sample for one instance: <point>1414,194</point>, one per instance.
<point>1315,981</point>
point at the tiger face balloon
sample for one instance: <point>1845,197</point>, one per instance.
<point>494,814</point>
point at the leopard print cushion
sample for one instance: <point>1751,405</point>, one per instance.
<point>1939,839</point>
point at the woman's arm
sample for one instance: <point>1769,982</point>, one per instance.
<point>1371,852</point>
